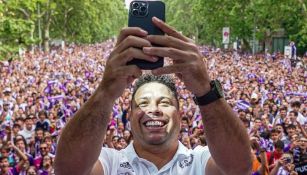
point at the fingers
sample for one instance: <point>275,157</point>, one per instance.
<point>176,68</point>
<point>175,54</point>
<point>135,31</point>
<point>130,53</point>
<point>169,30</point>
<point>132,41</point>
<point>169,41</point>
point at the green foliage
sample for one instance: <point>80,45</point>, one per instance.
<point>90,21</point>
<point>205,19</point>
<point>82,21</point>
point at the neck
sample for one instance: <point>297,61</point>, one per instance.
<point>159,155</point>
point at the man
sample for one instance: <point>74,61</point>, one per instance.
<point>280,119</point>
<point>155,119</point>
<point>296,109</point>
<point>43,122</point>
<point>29,129</point>
<point>300,156</point>
<point>44,150</point>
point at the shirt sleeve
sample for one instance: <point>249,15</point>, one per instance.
<point>203,155</point>
<point>108,159</point>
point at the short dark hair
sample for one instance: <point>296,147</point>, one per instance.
<point>284,108</point>
<point>296,104</point>
<point>279,144</point>
<point>185,119</point>
<point>291,126</point>
<point>28,118</point>
<point>166,80</point>
<point>274,131</point>
<point>43,112</point>
<point>294,112</point>
<point>2,158</point>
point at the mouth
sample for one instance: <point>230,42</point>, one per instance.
<point>155,124</point>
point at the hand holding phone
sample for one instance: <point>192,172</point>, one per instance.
<point>140,15</point>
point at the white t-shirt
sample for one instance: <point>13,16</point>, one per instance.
<point>27,134</point>
<point>126,162</point>
<point>301,119</point>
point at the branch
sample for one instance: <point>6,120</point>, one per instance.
<point>24,12</point>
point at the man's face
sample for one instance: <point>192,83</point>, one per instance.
<point>274,137</point>
<point>155,116</point>
<point>303,143</point>
<point>291,116</point>
<point>266,108</point>
<point>283,113</point>
<point>184,124</point>
<point>44,149</point>
<point>42,117</point>
<point>5,163</point>
<point>39,134</point>
<point>258,122</point>
<point>29,124</point>
<point>296,108</point>
<point>279,128</point>
<point>20,144</point>
<point>290,131</point>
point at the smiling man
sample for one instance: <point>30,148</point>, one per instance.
<point>155,119</point>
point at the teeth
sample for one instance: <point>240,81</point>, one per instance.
<point>154,123</point>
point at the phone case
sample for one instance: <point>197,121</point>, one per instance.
<point>140,15</point>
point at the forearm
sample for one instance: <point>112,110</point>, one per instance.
<point>275,170</point>
<point>81,140</point>
<point>21,154</point>
<point>263,168</point>
<point>227,138</point>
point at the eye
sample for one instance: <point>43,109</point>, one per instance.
<point>143,104</point>
<point>165,103</point>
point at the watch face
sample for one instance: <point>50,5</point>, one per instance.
<point>219,88</point>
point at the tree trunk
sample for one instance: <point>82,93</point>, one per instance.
<point>46,39</point>
<point>47,27</point>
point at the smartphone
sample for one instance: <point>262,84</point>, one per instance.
<point>140,15</point>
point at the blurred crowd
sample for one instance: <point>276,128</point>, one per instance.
<point>40,93</point>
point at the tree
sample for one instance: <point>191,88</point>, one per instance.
<point>16,27</point>
<point>206,18</point>
<point>28,22</point>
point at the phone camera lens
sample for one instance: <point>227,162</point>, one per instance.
<point>143,9</point>
<point>135,12</point>
<point>142,13</point>
<point>135,5</point>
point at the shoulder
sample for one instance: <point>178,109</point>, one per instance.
<point>191,161</point>
<point>109,159</point>
<point>202,154</point>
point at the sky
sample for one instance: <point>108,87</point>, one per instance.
<point>127,2</point>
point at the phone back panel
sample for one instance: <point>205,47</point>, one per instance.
<point>139,18</point>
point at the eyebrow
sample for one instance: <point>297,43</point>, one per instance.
<point>160,98</point>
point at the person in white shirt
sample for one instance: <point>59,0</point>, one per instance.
<point>155,116</point>
<point>29,129</point>
<point>300,117</point>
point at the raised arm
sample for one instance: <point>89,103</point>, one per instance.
<point>227,139</point>
<point>81,140</point>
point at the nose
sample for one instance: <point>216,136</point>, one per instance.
<point>153,109</point>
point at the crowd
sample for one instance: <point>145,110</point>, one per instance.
<point>40,93</point>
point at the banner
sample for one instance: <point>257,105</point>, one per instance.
<point>226,35</point>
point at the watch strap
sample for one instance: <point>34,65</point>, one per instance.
<point>209,97</point>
